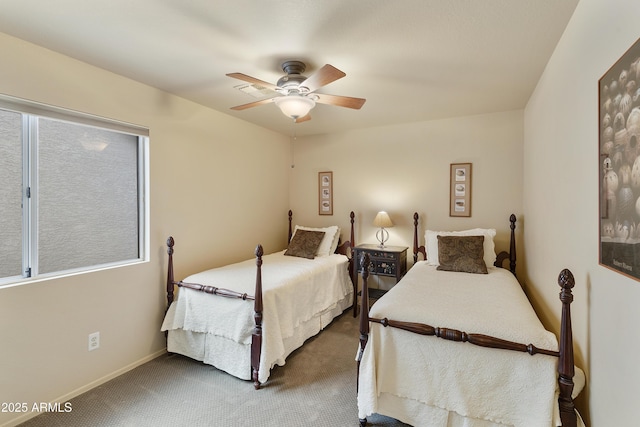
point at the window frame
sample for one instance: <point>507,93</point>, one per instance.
<point>31,112</point>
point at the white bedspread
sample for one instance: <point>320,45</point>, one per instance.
<point>294,290</point>
<point>491,386</point>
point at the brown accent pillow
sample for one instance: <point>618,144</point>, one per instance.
<point>304,244</point>
<point>461,253</point>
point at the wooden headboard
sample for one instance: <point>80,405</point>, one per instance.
<point>500,258</point>
<point>343,248</point>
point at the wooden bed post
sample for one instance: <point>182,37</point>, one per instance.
<point>512,244</point>
<point>353,264</point>
<point>352,236</point>
<point>566,363</point>
<point>511,255</point>
<point>364,320</point>
<point>290,232</point>
<point>417,249</point>
<point>415,237</point>
<point>256,339</point>
<point>170,281</point>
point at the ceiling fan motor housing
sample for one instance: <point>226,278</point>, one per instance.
<point>293,67</point>
<point>294,77</point>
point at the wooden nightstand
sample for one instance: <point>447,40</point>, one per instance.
<point>390,261</point>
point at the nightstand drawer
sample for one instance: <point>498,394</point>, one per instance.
<point>382,267</point>
<point>388,261</point>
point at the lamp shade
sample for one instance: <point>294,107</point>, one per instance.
<point>294,106</point>
<point>383,220</point>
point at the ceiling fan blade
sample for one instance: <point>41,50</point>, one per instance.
<point>250,79</point>
<point>340,101</point>
<point>253,104</point>
<point>303,119</point>
<point>322,77</point>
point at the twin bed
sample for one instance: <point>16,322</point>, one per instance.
<point>247,317</point>
<point>509,372</point>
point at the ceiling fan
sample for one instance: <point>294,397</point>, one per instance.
<point>297,93</point>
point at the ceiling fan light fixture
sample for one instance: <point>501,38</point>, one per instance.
<point>295,94</point>
<point>295,106</point>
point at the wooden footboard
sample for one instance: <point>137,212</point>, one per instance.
<point>256,338</point>
<point>171,283</point>
<point>565,353</point>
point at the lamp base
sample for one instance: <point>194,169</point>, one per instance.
<point>382,235</point>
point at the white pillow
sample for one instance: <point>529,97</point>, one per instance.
<point>489,248</point>
<point>329,241</point>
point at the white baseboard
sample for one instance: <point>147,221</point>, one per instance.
<point>77,392</point>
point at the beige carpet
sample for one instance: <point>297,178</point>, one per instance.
<point>316,387</point>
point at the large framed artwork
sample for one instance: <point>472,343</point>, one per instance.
<point>619,152</point>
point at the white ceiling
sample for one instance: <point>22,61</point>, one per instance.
<point>413,60</point>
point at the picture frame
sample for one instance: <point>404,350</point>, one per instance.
<point>325,193</point>
<point>619,165</point>
<point>460,190</point>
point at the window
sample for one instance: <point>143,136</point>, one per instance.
<point>72,192</point>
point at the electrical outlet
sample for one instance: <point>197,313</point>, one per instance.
<point>94,341</point>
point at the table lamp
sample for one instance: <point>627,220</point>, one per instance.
<point>383,221</point>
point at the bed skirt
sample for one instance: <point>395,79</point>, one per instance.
<point>418,414</point>
<point>235,358</point>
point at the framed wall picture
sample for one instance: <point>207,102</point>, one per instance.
<point>460,191</point>
<point>619,165</point>
<point>325,193</point>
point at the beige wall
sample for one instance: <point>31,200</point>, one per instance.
<point>218,185</point>
<point>203,181</point>
<point>405,169</point>
<point>561,208</point>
